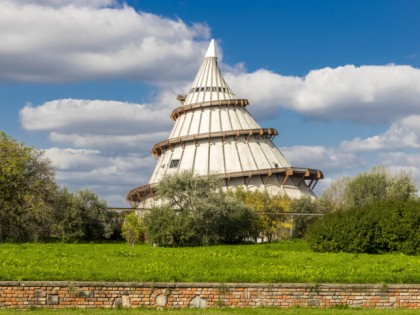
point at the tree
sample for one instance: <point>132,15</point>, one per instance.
<point>268,208</point>
<point>195,211</point>
<point>373,185</point>
<point>301,222</point>
<point>133,229</point>
<point>82,216</point>
<point>27,191</point>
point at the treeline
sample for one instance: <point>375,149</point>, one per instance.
<point>34,208</point>
<point>374,212</point>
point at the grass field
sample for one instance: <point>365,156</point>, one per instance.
<point>227,311</point>
<point>270,263</point>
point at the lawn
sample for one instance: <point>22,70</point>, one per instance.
<point>223,311</point>
<point>289,261</point>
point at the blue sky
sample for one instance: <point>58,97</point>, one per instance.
<point>93,82</point>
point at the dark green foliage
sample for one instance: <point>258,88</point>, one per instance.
<point>301,222</point>
<point>82,216</point>
<point>376,227</point>
<point>196,212</point>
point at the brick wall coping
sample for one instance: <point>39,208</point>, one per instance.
<point>203,285</point>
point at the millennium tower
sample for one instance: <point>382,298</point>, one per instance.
<point>214,134</point>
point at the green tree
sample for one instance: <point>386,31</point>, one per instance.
<point>27,191</point>
<point>82,216</point>
<point>301,222</point>
<point>195,211</point>
<point>268,208</point>
<point>373,185</point>
<point>133,229</point>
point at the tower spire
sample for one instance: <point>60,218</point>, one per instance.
<point>209,84</point>
<point>211,51</point>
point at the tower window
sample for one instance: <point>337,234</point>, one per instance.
<point>174,163</point>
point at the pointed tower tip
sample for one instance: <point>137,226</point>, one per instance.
<point>211,51</point>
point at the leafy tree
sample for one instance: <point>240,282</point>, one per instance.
<point>27,191</point>
<point>133,229</point>
<point>301,222</point>
<point>376,184</point>
<point>195,211</point>
<point>268,208</point>
<point>82,216</point>
<point>33,208</point>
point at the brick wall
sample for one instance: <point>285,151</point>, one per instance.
<point>55,294</point>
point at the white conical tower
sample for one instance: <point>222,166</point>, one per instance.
<point>215,134</point>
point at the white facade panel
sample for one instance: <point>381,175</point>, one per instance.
<point>231,157</point>
<point>215,120</point>
<point>202,158</point>
<point>245,155</point>
<point>187,160</point>
<point>195,123</point>
<point>216,157</point>
<point>205,121</point>
<point>234,119</point>
<point>186,124</point>
<point>258,154</point>
<point>178,126</point>
<point>224,120</point>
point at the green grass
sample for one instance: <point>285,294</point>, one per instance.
<point>281,262</point>
<point>223,311</point>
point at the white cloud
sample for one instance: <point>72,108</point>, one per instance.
<point>369,94</point>
<point>63,3</point>
<point>140,142</point>
<point>112,176</point>
<point>95,117</point>
<point>404,133</point>
<point>328,160</point>
<point>51,41</point>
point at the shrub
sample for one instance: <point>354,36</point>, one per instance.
<point>377,227</point>
<point>196,212</point>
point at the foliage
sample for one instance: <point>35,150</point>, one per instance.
<point>34,208</point>
<point>82,216</point>
<point>133,228</point>
<point>27,188</point>
<point>268,209</point>
<point>287,261</point>
<point>377,227</point>
<point>376,184</point>
<point>196,212</point>
<point>301,222</point>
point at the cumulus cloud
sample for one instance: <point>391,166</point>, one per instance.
<point>95,116</point>
<point>328,160</point>
<point>63,3</point>
<point>106,125</point>
<point>61,41</point>
<point>368,94</point>
<point>404,133</point>
<point>110,175</point>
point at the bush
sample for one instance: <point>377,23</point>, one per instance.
<point>196,212</point>
<point>377,227</point>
